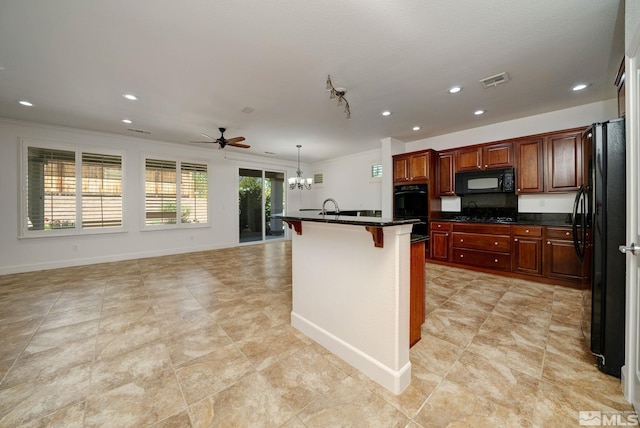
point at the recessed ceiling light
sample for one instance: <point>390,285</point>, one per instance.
<point>25,103</point>
<point>416,128</point>
<point>130,97</point>
<point>478,112</point>
<point>454,89</point>
<point>127,121</point>
<point>579,87</point>
<point>386,113</point>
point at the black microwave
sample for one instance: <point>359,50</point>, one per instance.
<point>487,181</point>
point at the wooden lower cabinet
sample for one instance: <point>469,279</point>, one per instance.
<point>482,245</point>
<point>561,261</point>
<point>542,253</point>
<point>416,298</point>
<point>439,238</point>
<point>527,249</point>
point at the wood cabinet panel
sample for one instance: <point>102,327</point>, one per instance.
<point>480,241</point>
<point>469,159</point>
<point>446,174</point>
<point>400,169</point>
<point>482,259</point>
<point>439,241</point>
<point>416,300</point>
<point>529,165</point>
<point>564,162</point>
<point>498,155</point>
<point>561,260</point>
<point>419,167</point>
<point>527,249</point>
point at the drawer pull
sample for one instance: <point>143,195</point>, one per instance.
<point>461,240</point>
<point>439,226</point>
<point>446,234</point>
<point>495,243</point>
<point>515,240</point>
<point>462,256</point>
<point>567,233</point>
<point>495,260</point>
<point>548,242</point>
<point>526,230</point>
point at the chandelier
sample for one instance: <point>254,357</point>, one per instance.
<point>339,94</point>
<point>299,182</point>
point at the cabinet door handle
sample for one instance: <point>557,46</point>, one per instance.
<point>461,240</point>
<point>446,234</point>
<point>515,240</point>
<point>495,260</point>
<point>518,190</point>
<point>486,166</point>
<point>495,243</point>
<point>548,242</point>
<point>461,256</point>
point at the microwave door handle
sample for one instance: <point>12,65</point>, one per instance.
<point>501,183</point>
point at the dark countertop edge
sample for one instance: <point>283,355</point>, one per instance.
<point>351,220</point>
<point>418,238</point>
<point>517,222</point>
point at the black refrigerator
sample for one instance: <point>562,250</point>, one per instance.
<point>600,208</point>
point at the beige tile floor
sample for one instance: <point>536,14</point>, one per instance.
<point>204,340</point>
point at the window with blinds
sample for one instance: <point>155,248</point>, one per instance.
<point>194,186</point>
<point>160,202</point>
<point>51,189</point>
<point>71,190</point>
<point>101,190</point>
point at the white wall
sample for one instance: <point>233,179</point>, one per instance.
<point>348,180</point>
<point>19,255</point>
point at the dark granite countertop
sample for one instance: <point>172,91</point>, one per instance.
<point>418,238</point>
<point>535,219</point>
<point>315,216</point>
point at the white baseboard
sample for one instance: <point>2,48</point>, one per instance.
<point>394,380</point>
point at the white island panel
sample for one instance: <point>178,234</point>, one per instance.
<point>353,297</point>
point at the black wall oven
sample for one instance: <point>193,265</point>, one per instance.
<point>411,201</point>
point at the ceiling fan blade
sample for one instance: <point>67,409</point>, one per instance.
<point>208,136</point>
<point>235,140</point>
<point>203,142</point>
<point>243,146</point>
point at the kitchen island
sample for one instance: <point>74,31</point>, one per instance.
<point>350,281</point>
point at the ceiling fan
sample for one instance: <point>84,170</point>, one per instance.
<point>235,142</point>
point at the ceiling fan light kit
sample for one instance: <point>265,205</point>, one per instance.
<point>299,182</point>
<point>338,93</point>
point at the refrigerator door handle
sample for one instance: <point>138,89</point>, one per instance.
<point>578,202</point>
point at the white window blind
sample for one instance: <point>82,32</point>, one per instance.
<point>51,189</point>
<point>193,193</point>
<point>101,190</point>
<point>160,192</point>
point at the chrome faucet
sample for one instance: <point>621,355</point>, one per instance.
<point>335,204</point>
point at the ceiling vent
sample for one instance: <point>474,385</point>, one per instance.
<point>493,81</point>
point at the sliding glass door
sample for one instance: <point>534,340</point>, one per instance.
<point>260,195</point>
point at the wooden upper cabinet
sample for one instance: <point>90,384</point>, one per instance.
<point>529,165</point>
<point>446,173</point>
<point>476,158</point>
<point>469,159</point>
<point>412,167</point>
<point>498,155</point>
<point>419,166</point>
<point>400,169</point>
<point>564,162</point>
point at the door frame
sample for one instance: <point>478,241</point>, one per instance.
<point>264,170</point>
<point>630,373</point>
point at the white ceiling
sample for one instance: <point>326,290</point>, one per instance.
<point>196,64</point>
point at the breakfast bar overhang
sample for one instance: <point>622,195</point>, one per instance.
<point>350,280</point>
